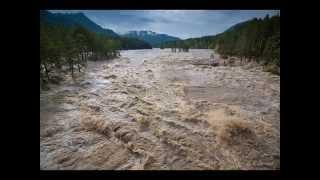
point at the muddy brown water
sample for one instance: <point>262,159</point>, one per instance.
<point>154,109</point>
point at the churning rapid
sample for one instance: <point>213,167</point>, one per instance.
<point>158,110</point>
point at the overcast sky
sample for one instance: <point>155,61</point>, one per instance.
<point>180,23</point>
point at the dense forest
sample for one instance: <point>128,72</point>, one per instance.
<point>66,48</point>
<point>254,40</point>
<point>258,39</point>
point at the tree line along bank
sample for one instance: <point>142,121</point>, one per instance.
<point>255,40</point>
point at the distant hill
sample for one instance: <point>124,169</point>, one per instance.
<point>194,43</point>
<point>150,37</point>
<point>133,43</point>
<point>74,19</point>
<point>79,19</point>
<point>206,42</point>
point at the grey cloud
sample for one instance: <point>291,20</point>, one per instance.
<point>180,23</point>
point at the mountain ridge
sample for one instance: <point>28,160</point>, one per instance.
<point>150,37</point>
<point>75,19</point>
<point>80,19</point>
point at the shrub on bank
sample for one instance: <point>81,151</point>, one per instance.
<point>272,68</point>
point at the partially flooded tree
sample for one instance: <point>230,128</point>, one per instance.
<point>72,47</point>
<point>82,42</point>
<point>185,47</point>
<point>50,50</point>
<point>70,52</point>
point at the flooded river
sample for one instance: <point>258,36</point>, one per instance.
<point>154,109</point>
